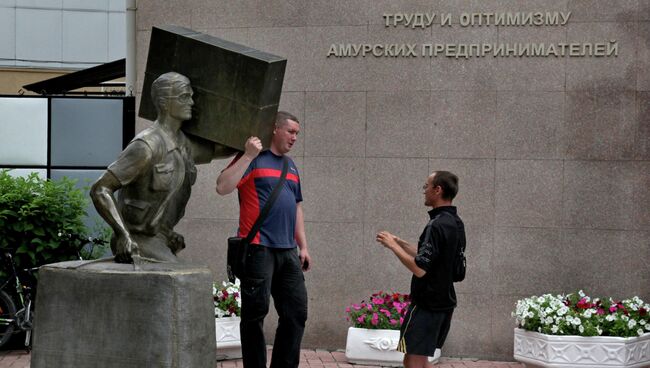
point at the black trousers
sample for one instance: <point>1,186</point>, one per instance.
<point>272,272</point>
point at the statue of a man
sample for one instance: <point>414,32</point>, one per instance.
<point>154,175</point>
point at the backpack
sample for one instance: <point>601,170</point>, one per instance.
<point>459,267</point>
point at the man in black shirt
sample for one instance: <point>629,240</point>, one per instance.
<point>433,297</point>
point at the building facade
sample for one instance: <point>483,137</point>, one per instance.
<point>542,109</point>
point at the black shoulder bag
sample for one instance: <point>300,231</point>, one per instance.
<point>237,247</point>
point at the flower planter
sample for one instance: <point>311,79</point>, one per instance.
<point>228,338</point>
<point>376,347</point>
<point>541,350</point>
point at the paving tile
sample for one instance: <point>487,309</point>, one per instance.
<point>309,359</point>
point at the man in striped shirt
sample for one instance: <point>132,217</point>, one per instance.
<point>273,266</point>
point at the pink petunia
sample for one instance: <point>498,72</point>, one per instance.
<point>401,320</point>
<point>393,322</point>
<point>612,309</point>
<point>375,319</point>
<point>361,319</point>
<point>347,310</point>
<point>356,306</point>
<point>378,301</point>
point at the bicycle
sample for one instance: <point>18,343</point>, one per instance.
<point>13,320</point>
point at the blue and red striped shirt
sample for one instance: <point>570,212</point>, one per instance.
<point>255,188</point>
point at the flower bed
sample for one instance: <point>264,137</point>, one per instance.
<point>580,315</point>
<point>227,310</point>
<point>374,334</point>
<point>381,311</point>
<point>227,299</point>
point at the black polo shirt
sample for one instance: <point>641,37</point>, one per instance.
<point>437,248</point>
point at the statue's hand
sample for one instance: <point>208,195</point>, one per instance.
<point>125,248</point>
<point>176,242</point>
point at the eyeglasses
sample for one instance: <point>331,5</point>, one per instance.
<point>182,98</point>
<point>426,185</point>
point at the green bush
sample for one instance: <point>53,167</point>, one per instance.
<point>35,213</point>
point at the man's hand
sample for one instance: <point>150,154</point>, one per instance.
<point>305,260</point>
<point>125,248</point>
<point>253,147</point>
<point>387,239</point>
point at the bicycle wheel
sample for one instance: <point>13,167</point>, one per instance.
<point>7,317</point>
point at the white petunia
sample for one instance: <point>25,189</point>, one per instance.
<point>554,329</point>
<point>581,329</point>
<point>639,332</point>
<point>610,317</point>
<point>631,323</point>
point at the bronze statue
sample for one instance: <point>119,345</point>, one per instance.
<point>154,175</point>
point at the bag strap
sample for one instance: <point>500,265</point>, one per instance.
<point>427,237</point>
<point>269,203</point>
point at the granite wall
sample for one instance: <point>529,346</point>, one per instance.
<point>553,153</point>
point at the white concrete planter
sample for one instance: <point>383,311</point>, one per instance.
<point>376,347</point>
<point>228,338</point>
<point>540,350</point>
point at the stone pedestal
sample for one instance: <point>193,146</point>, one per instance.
<point>102,314</point>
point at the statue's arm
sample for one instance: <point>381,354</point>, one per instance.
<point>133,161</point>
<point>102,194</point>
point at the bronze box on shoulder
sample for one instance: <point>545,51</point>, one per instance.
<point>236,88</point>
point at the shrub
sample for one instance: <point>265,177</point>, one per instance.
<point>34,213</point>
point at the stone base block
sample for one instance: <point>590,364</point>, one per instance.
<point>105,315</point>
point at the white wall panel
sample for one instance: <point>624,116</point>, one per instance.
<point>23,131</point>
<point>86,4</point>
<point>49,4</point>
<point>16,173</point>
<point>116,36</point>
<point>38,34</point>
<point>7,33</point>
<point>117,5</point>
<point>85,36</point>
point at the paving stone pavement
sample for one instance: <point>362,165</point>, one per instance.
<point>309,359</point>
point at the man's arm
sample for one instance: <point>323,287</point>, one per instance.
<point>410,249</point>
<point>229,177</point>
<point>388,240</point>
<point>301,238</point>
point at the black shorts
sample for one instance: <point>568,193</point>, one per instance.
<point>423,331</point>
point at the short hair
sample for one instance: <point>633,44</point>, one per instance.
<point>162,87</point>
<point>448,182</point>
<point>282,116</point>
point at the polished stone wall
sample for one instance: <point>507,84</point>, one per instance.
<point>553,153</point>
